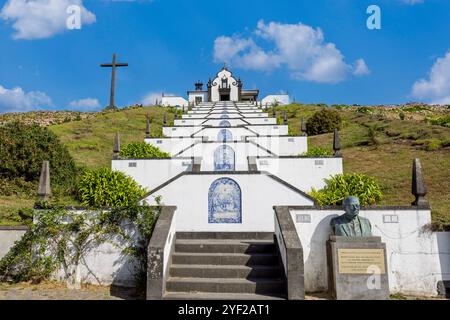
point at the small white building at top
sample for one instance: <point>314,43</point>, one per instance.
<point>224,87</point>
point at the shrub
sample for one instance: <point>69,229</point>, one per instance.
<point>23,148</point>
<point>107,188</point>
<point>317,152</point>
<point>340,186</point>
<point>402,115</point>
<point>365,110</point>
<point>440,121</point>
<point>142,150</point>
<point>323,121</point>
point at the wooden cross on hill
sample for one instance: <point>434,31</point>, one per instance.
<point>113,65</point>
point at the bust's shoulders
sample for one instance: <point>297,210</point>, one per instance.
<point>336,220</point>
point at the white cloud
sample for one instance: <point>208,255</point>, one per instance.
<point>301,48</point>
<point>412,2</point>
<point>435,89</point>
<point>87,104</point>
<point>17,100</point>
<point>150,98</point>
<point>39,19</point>
<point>360,68</point>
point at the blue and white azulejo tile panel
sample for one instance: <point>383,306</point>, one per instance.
<point>224,158</point>
<point>225,202</point>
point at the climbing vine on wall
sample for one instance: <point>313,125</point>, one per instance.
<point>59,239</point>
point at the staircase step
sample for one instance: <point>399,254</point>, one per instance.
<point>214,271</point>
<point>224,285</point>
<point>225,259</point>
<point>224,246</point>
<point>226,235</point>
<point>220,296</point>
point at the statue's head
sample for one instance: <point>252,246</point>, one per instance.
<point>351,207</point>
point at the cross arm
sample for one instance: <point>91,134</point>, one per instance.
<point>121,64</point>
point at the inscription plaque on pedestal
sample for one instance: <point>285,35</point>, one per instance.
<point>357,268</point>
<point>360,261</point>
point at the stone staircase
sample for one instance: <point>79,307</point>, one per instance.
<point>225,266</point>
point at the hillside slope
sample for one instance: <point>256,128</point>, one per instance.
<point>375,141</point>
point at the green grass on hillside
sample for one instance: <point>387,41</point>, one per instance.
<point>375,142</point>
<point>91,141</point>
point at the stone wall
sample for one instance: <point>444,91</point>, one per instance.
<point>417,258</point>
<point>9,235</point>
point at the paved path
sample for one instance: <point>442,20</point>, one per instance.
<point>57,291</point>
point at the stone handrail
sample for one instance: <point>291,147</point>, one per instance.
<point>291,252</point>
<point>159,252</point>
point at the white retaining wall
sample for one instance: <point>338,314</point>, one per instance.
<point>8,236</point>
<point>242,151</point>
<point>172,145</point>
<point>257,206</point>
<point>303,173</point>
<point>417,260</point>
<point>152,173</point>
<point>239,134</point>
<point>282,146</point>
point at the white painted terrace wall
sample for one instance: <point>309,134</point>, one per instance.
<point>245,121</point>
<point>303,173</point>
<point>179,131</point>
<point>416,260</point>
<point>257,207</point>
<point>152,173</point>
<point>270,130</point>
<point>172,145</point>
<point>283,146</point>
<point>199,122</point>
<point>242,152</point>
<point>212,133</point>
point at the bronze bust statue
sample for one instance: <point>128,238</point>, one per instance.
<point>350,224</point>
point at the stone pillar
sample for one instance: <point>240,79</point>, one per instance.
<point>116,150</point>
<point>419,190</point>
<point>209,90</point>
<point>44,190</point>
<point>303,127</point>
<point>147,129</point>
<point>336,144</point>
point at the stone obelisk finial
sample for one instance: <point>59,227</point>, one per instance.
<point>116,150</point>
<point>44,190</point>
<point>336,144</point>
<point>285,119</point>
<point>303,127</point>
<point>147,128</point>
<point>419,190</point>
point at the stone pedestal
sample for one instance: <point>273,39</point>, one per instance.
<point>357,268</point>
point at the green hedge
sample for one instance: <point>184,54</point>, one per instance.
<point>366,188</point>
<point>142,150</point>
<point>323,121</point>
<point>107,188</point>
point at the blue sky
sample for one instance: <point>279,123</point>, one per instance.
<point>318,51</point>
